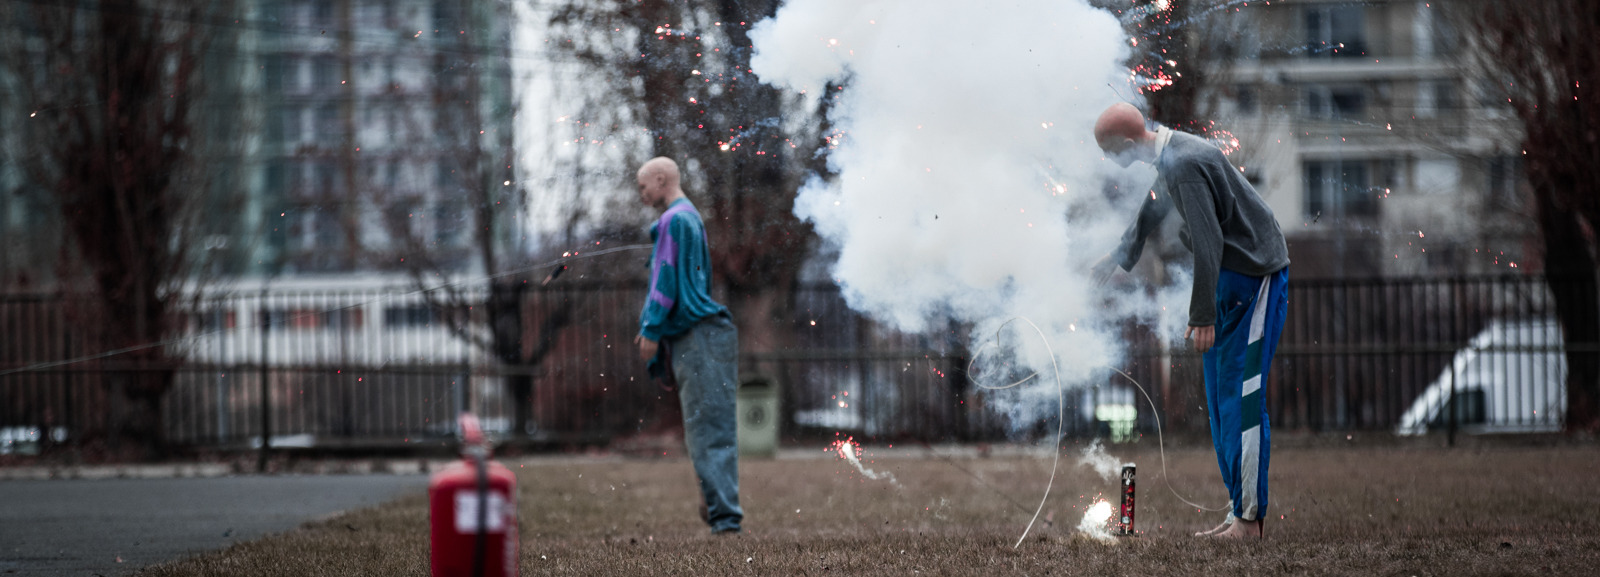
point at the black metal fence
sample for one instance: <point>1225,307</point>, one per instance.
<point>1482,355</point>
<point>388,367</point>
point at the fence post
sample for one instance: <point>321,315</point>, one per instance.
<point>1451,405</point>
<point>223,360</point>
<point>266,391</point>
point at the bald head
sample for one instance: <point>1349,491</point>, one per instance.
<point>659,182</point>
<point>1120,132</point>
<point>661,167</point>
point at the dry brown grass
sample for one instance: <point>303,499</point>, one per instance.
<point>1335,511</point>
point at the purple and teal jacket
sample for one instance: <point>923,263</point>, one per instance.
<point>680,275</point>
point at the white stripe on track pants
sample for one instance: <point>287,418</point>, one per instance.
<point>1250,315</point>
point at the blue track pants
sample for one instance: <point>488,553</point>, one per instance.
<point>1250,315</point>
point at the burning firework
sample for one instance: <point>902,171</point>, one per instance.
<point>1097,521</point>
<point>851,453</point>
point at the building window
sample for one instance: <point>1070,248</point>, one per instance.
<point>329,128</point>
<point>410,316</point>
<point>1443,38</point>
<point>1244,99</point>
<point>1437,97</point>
<point>1335,31</point>
<point>404,222</point>
<point>326,73</point>
<point>272,72</point>
<point>273,177</point>
<point>327,232</point>
<point>447,16</point>
<point>273,319</point>
<point>1334,102</point>
<point>1503,172</point>
<point>275,128</point>
<point>446,180</point>
<point>351,318</point>
<point>1446,95</point>
<point>377,119</point>
<point>380,175</point>
<point>386,17</point>
<point>1494,95</point>
<point>213,320</point>
<point>322,15</point>
<point>288,77</point>
<point>296,172</point>
<point>1345,188</point>
<point>289,117</point>
<point>449,222</point>
<point>288,14</point>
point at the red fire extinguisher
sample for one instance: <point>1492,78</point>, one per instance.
<point>472,512</point>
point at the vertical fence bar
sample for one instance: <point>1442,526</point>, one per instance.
<point>265,319</point>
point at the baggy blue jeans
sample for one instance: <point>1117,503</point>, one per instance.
<point>705,362</point>
<point>1250,315</point>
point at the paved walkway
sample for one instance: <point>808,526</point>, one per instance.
<point>112,527</point>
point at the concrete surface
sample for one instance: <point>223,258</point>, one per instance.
<point>114,526</point>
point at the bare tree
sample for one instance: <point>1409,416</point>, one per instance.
<point>117,89</point>
<point>1177,47</point>
<point>1541,57</point>
<point>680,74</point>
<point>470,106</point>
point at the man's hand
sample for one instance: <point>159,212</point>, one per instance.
<point>1203,337</point>
<point>647,348</point>
<point>1102,269</point>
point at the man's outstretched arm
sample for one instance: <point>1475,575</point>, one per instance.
<point>1151,212</point>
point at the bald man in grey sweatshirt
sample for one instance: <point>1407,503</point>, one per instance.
<point>1240,297</point>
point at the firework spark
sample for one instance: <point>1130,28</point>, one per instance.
<point>1096,523</point>
<point>851,453</point>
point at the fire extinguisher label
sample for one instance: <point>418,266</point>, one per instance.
<point>467,512</point>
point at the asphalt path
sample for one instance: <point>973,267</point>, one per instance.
<point>113,527</point>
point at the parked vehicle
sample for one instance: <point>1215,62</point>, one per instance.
<point>1510,378</point>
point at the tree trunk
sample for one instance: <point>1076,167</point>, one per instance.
<point>1570,269</point>
<point>505,321</point>
<point>758,312</point>
<point>521,386</point>
<point>137,419</point>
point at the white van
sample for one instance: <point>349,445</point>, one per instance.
<point>1511,378</point>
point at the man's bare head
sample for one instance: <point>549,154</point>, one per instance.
<point>1120,132</point>
<point>659,182</point>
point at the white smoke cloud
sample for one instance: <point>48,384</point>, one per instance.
<point>1094,457</point>
<point>969,183</point>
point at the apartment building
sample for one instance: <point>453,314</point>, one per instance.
<point>1381,150</point>
<point>339,136</point>
<point>385,130</point>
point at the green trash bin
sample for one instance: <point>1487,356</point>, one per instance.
<point>758,418</point>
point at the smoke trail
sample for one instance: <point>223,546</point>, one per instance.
<point>1095,457</point>
<point>969,183</point>
<point>850,452</point>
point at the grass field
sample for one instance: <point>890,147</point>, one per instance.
<point>1334,511</point>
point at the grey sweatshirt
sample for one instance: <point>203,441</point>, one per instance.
<point>1225,223</point>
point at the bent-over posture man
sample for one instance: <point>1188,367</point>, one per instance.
<point>682,330</point>
<point>1240,296</point>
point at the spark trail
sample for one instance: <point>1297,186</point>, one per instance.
<point>851,453</point>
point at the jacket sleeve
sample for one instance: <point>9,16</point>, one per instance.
<point>664,261</point>
<point>1154,208</point>
<point>1199,211</point>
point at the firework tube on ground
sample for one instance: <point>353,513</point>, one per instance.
<point>1125,526</point>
